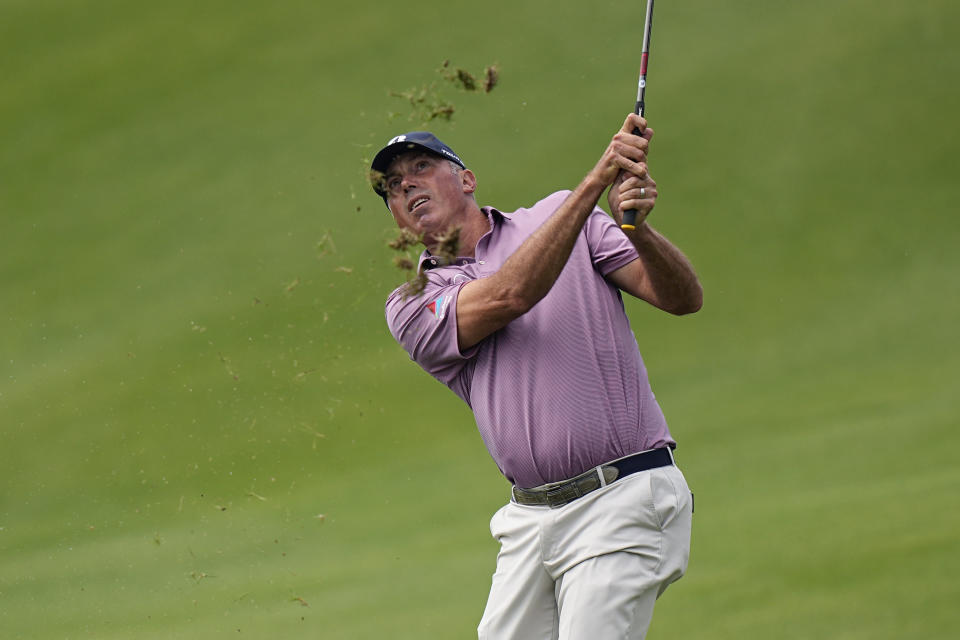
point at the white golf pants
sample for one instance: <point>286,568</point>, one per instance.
<point>591,569</point>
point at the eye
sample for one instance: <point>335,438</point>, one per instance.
<point>393,184</point>
<point>422,164</point>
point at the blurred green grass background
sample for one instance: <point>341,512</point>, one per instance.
<point>206,429</point>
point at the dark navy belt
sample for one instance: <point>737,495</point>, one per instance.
<point>557,494</point>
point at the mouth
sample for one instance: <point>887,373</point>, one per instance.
<point>416,203</point>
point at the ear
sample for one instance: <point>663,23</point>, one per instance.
<point>468,180</point>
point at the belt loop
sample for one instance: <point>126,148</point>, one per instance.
<point>672,460</point>
<point>599,470</point>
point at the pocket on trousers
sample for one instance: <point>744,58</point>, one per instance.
<point>496,522</point>
<point>664,496</point>
<point>646,497</point>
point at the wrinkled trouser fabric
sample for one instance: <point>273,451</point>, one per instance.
<point>592,569</point>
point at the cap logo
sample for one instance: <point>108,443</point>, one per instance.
<point>397,139</point>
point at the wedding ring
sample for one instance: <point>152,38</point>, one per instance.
<point>643,192</point>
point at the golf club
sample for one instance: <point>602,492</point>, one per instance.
<point>630,215</point>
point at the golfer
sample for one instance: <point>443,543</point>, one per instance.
<point>527,326</point>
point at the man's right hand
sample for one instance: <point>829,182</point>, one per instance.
<point>626,152</point>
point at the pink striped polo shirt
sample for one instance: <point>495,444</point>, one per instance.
<point>563,387</point>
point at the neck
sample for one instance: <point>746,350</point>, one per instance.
<point>475,225</point>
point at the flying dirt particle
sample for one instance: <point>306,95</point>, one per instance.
<point>427,102</point>
<point>303,374</point>
<point>466,80</point>
<point>404,240</point>
<point>226,365</point>
<point>444,251</point>
<point>491,76</point>
<point>415,287</point>
<point>375,178</point>
<point>444,111</point>
<point>303,603</point>
<point>325,244</point>
<point>293,285</point>
<point>402,243</point>
<point>448,245</point>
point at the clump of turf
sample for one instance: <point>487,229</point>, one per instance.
<point>428,103</point>
<point>445,251</point>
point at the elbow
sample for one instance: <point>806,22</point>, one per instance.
<point>514,299</point>
<point>687,310</point>
<point>515,304</point>
<point>691,303</point>
<point>508,303</point>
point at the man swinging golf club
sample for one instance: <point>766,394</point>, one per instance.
<point>528,327</point>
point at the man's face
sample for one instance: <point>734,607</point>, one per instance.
<point>426,193</point>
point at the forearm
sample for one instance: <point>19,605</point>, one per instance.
<point>488,304</point>
<point>667,277</point>
<point>531,271</point>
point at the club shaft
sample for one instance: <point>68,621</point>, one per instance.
<point>644,57</point>
<point>630,215</point>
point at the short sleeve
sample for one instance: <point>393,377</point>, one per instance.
<point>425,325</point>
<point>610,249</point>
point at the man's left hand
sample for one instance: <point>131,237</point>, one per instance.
<point>633,190</point>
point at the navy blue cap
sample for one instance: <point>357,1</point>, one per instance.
<point>410,142</point>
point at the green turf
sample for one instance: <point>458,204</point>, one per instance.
<point>207,431</point>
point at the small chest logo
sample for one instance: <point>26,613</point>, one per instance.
<point>439,306</point>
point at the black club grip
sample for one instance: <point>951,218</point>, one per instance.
<point>630,215</point>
